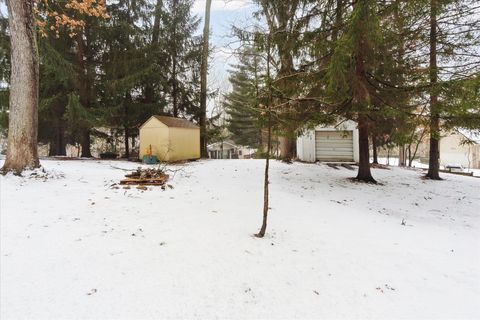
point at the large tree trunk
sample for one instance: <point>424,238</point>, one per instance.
<point>58,145</point>
<point>203,82</point>
<point>287,146</point>
<point>434,155</point>
<point>361,98</point>
<point>61,143</point>
<point>22,152</point>
<point>86,145</point>
<point>364,173</point>
<point>52,147</point>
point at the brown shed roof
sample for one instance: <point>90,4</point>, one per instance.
<point>176,122</point>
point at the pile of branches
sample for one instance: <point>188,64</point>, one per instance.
<point>148,176</point>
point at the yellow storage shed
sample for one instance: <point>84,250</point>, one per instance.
<point>170,139</point>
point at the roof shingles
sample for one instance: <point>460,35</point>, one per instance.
<point>176,122</point>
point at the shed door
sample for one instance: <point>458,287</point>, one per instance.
<point>334,145</point>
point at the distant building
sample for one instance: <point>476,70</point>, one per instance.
<point>229,150</point>
<point>329,143</point>
<point>455,150</point>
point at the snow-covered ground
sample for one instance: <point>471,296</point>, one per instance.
<point>74,248</point>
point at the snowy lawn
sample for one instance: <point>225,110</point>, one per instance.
<point>74,248</point>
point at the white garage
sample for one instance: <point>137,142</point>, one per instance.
<point>329,144</point>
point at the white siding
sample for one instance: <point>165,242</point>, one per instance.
<point>306,146</point>
<point>334,145</point>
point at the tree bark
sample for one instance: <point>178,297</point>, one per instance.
<point>361,98</point>
<point>338,20</point>
<point>156,23</point>
<point>266,190</point>
<point>434,154</point>
<point>86,145</point>
<point>364,173</point>
<point>127,100</point>
<point>61,143</point>
<point>174,66</point>
<point>203,82</point>
<point>127,146</point>
<point>22,151</point>
<point>57,145</point>
<point>287,146</point>
<point>52,147</point>
<point>84,86</point>
<point>402,158</point>
<point>375,149</point>
<point>174,86</point>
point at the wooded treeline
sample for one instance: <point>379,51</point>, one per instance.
<point>403,70</point>
<point>144,59</point>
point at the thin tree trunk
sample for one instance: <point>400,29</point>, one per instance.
<point>375,149</point>
<point>22,152</point>
<point>174,65</point>
<point>416,148</point>
<point>128,99</point>
<point>401,156</point>
<point>174,86</point>
<point>84,90</point>
<point>203,82</point>
<point>409,152</point>
<point>127,146</point>
<point>434,155</point>
<point>263,229</point>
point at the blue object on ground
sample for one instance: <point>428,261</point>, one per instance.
<point>150,159</point>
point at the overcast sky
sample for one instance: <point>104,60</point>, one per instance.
<point>224,14</point>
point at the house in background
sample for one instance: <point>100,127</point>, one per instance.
<point>329,143</point>
<point>170,139</point>
<point>454,150</point>
<point>229,150</point>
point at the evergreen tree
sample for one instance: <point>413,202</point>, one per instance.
<point>241,104</point>
<point>353,59</point>
<point>454,61</point>
<point>183,56</point>
<point>286,21</point>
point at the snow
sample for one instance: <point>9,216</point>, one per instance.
<point>74,248</point>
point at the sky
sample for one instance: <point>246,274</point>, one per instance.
<point>224,14</point>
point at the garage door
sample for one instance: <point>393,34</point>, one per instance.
<point>334,145</point>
